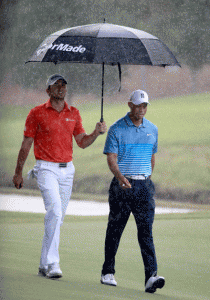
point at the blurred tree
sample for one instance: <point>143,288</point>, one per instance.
<point>7,15</point>
<point>35,21</point>
<point>182,24</point>
<point>7,19</point>
<point>194,35</point>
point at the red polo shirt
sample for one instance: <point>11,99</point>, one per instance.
<point>53,131</point>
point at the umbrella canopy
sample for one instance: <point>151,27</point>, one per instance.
<point>104,43</point>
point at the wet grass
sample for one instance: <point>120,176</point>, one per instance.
<point>182,246</point>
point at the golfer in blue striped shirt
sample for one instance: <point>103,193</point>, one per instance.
<point>130,147</point>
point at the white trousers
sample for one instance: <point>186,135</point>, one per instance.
<point>55,184</point>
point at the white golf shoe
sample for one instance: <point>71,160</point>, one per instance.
<point>108,279</point>
<point>54,271</point>
<point>154,282</point>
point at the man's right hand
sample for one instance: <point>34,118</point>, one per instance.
<point>101,127</point>
<point>124,183</point>
<point>18,181</point>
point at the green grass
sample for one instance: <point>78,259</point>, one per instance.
<point>182,246</point>
<point>183,159</point>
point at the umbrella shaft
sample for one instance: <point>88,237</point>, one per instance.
<point>102,94</point>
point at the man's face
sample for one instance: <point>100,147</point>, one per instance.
<point>137,111</point>
<point>58,90</point>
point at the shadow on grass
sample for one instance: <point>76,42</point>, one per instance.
<point>90,290</point>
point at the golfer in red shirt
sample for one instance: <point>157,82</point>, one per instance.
<point>51,126</point>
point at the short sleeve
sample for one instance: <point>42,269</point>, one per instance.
<point>30,125</point>
<point>155,147</point>
<point>111,144</point>
<point>78,129</point>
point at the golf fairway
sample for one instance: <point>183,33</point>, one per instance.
<point>182,247</point>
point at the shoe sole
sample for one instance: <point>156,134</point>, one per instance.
<point>42,274</point>
<point>159,284</point>
<point>54,276</point>
<point>108,283</point>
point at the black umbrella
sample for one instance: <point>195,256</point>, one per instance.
<point>104,43</point>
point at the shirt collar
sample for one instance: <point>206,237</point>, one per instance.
<point>130,123</point>
<point>49,105</point>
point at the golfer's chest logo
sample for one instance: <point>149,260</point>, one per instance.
<point>69,120</point>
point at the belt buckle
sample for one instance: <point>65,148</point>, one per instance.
<point>137,177</point>
<point>62,165</point>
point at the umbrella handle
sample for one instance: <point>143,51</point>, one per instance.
<point>102,96</point>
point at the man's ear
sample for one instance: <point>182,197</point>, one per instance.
<point>130,104</point>
<point>48,91</point>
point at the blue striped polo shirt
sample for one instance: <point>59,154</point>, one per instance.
<point>133,145</point>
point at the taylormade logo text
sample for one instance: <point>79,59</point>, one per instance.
<point>61,47</point>
<point>69,48</point>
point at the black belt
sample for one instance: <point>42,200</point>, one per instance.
<point>62,165</point>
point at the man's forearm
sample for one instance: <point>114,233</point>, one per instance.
<point>114,168</point>
<point>153,162</point>
<point>87,140</point>
<point>84,140</point>
<point>23,154</point>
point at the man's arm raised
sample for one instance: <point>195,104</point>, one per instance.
<point>84,140</point>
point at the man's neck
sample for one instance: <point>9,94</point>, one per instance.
<point>57,104</point>
<point>137,122</point>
